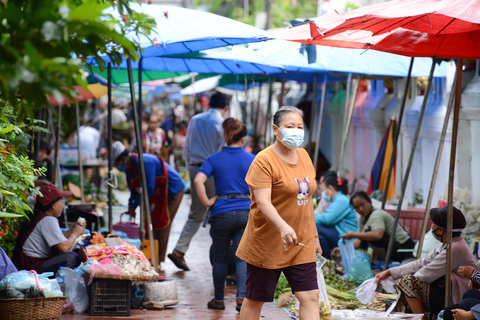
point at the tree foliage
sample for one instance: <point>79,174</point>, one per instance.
<point>16,176</point>
<point>43,42</point>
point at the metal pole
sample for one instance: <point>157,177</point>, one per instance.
<point>282,93</point>
<point>144,191</point>
<point>409,165</point>
<point>347,126</point>
<point>79,148</point>
<point>140,145</point>
<point>320,120</point>
<point>140,102</point>
<point>57,147</point>
<point>109,145</point>
<point>269,108</point>
<point>345,113</point>
<point>312,114</point>
<point>435,171</point>
<point>453,153</point>
<point>255,114</point>
<point>397,133</point>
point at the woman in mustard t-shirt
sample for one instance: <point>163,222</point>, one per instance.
<point>280,235</point>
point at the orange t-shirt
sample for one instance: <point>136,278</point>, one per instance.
<point>292,188</point>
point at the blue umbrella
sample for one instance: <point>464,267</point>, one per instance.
<point>295,57</point>
<point>181,30</point>
<point>228,60</point>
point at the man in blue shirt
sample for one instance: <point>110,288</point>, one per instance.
<point>204,138</point>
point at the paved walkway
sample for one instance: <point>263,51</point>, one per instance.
<point>195,287</point>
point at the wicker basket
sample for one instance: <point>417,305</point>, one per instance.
<point>34,308</point>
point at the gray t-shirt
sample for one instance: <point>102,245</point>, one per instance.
<point>46,234</point>
<point>380,219</point>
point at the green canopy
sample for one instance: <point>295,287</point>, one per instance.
<point>226,79</point>
<point>121,75</point>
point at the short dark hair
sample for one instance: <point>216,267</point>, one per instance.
<point>360,194</point>
<point>219,100</point>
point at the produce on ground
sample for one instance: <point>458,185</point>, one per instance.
<point>341,293</point>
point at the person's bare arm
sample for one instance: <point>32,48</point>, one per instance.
<point>373,235</point>
<point>76,231</point>
<point>199,184</point>
<point>264,201</point>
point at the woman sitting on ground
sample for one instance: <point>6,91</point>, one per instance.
<point>41,245</point>
<point>422,282</point>
<point>375,229</point>
<point>339,218</point>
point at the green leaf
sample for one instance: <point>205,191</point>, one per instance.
<point>9,215</point>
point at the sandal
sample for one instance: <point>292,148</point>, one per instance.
<point>239,305</point>
<point>178,261</point>
<point>216,305</point>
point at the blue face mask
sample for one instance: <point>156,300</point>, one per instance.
<point>122,168</point>
<point>325,197</point>
<point>292,137</point>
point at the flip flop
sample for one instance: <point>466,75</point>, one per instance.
<point>179,262</point>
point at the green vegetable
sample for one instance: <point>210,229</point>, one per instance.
<point>282,286</point>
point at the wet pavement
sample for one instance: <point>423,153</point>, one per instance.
<point>194,287</point>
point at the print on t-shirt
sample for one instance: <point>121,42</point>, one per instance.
<point>303,190</point>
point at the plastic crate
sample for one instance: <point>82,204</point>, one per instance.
<point>110,297</point>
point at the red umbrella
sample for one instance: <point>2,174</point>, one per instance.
<point>417,28</point>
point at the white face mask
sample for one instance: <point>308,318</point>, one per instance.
<point>292,137</point>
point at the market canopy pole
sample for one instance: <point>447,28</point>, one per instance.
<point>144,191</point>
<point>453,153</point>
<point>435,170</point>
<point>269,108</point>
<point>56,170</point>
<point>346,127</point>
<point>320,120</point>
<point>140,145</point>
<point>397,133</point>
<point>79,150</point>
<point>312,114</point>
<point>109,146</point>
<point>409,165</point>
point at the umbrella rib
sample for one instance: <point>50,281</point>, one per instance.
<point>451,21</point>
<point>410,19</point>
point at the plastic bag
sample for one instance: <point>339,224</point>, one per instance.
<point>323,301</point>
<point>76,290</point>
<point>366,291</point>
<point>347,251</point>
<point>24,280</point>
<point>388,286</point>
<point>360,270</point>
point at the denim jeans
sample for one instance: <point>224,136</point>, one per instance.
<point>328,237</point>
<point>227,228</point>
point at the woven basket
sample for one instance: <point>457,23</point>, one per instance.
<point>34,308</point>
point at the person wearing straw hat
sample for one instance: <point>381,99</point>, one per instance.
<point>41,245</point>
<point>165,190</point>
<point>422,282</point>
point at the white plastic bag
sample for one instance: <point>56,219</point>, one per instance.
<point>323,302</point>
<point>76,290</point>
<point>366,291</point>
<point>388,286</point>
